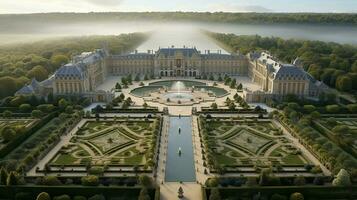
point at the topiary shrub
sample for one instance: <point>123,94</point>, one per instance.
<point>50,180</point>
<point>278,197</point>
<point>342,179</point>
<point>145,181</point>
<point>79,198</point>
<point>90,180</point>
<point>296,196</point>
<point>62,197</point>
<point>23,196</point>
<point>43,196</point>
<point>97,197</point>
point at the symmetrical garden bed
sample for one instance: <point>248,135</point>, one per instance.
<point>117,144</point>
<point>247,144</point>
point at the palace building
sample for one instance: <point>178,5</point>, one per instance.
<point>90,69</point>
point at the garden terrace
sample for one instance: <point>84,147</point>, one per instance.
<point>19,125</point>
<point>109,145</point>
<point>341,131</point>
<point>39,140</point>
<point>249,144</point>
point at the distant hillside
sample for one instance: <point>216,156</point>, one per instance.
<point>325,18</point>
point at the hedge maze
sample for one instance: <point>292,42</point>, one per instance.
<point>239,144</point>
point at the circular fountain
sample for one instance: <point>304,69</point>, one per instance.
<point>178,92</point>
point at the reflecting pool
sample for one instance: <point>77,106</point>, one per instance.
<point>180,164</point>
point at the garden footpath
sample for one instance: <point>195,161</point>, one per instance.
<point>63,140</point>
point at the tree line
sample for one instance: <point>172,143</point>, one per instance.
<point>334,64</point>
<point>325,18</point>
<point>21,62</point>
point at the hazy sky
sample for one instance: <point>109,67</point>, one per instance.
<point>35,6</point>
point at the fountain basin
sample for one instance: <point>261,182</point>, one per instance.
<point>175,96</point>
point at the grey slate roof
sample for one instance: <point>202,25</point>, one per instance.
<point>292,71</point>
<point>171,51</point>
<point>70,70</point>
<point>30,88</point>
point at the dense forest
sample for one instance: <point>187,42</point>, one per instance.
<point>334,64</point>
<point>22,62</point>
<point>11,20</point>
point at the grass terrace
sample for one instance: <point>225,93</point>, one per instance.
<point>246,143</point>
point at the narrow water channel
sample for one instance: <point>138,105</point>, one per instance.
<point>180,167</point>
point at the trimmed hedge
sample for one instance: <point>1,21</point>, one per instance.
<point>87,191</point>
<point>20,139</point>
<point>310,192</point>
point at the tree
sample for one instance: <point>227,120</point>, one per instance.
<point>58,60</point>
<point>118,86</point>
<point>23,196</point>
<point>97,197</point>
<point>309,108</point>
<point>144,194</point>
<point>332,108</point>
<point>8,133</point>
<point>240,87</point>
<point>215,195</point>
<point>342,179</point>
<point>278,197</point>
<point>296,196</point>
<point>146,77</point>
<point>36,113</point>
<point>7,114</point>
<point>212,182</point>
<point>62,197</point>
<point>344,83</point>
<point>11,179</point>
<point>232,106</point>
<point>62,103</point>
<point>233,83</point>
<point>145,180</point>
<point>90,180</point>
<point>39,73</point>
<point>214,106</point>
<point>145,105</point>
<point>137,78</point>
<point>43,196</point>
<point>50,180</point>
<point>299,181</point>
<point>352,108</point>
<point>25,108</point>
<point>3,176</point>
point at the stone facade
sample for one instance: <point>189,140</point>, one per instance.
<point>88,70</point>
<point>187,62</point>
<point>277,79</point>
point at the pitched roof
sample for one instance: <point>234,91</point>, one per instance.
<point>70,70</point>
<point>288,70</point>
<point>172,51</point>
